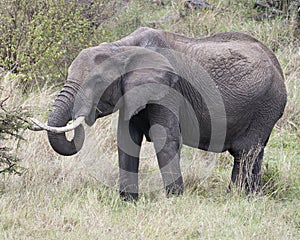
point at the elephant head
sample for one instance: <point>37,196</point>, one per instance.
<point>100,81</point>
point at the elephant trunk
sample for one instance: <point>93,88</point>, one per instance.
<point>60,117</point>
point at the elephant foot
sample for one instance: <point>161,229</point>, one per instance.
<point>254,185</point>
<point>129,197</point>
<point>174,189</point>
<point>251,185</point>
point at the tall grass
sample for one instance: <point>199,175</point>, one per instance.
<point>76,197</point>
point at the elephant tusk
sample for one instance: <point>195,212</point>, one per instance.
<point>98,110</point>
<point>39,126</point>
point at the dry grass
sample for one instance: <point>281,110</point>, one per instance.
<point>68,198</point>
<point>76,198</point>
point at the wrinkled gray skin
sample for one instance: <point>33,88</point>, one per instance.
<point>244,72</point>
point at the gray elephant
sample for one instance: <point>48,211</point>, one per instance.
<point>220,93</point>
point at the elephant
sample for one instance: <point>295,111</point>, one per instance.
<point>219,93</point>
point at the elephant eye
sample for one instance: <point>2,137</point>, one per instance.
<point>99,58</point>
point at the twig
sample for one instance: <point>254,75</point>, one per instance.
<point>2,103</point>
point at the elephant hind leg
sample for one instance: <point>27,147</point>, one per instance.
<point>246,172</point>
<point>248,152</point>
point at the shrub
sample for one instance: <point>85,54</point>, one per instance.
<point>12,125</point>
<point>40,38</point>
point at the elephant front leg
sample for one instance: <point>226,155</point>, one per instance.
<point>128,176</point>
<point>129,144</point>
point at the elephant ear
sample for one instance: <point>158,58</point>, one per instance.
<point>149,77</point>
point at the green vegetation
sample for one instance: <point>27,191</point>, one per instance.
<point>12,124</point>
<point>59,197</point>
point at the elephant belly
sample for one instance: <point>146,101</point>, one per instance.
<point>205,143</point>
<point>199,134</point>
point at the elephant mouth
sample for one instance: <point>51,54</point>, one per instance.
<point>104,109</point>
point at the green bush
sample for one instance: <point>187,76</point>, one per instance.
<point>12,125</point>
<point>40,38</point>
